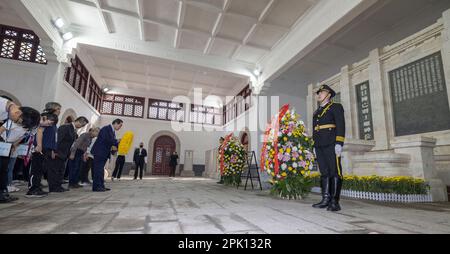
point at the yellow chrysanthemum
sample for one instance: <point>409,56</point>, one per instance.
<point>125,143</point>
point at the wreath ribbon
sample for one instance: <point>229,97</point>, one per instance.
<point>222,152</point>
<point>276,126</point>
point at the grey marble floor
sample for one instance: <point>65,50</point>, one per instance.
<point>197,205</point>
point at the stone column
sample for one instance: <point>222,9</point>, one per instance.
<point>377,92</point>
<point>347,101</point>
<point>446,50</point>
<point>211,164</point>
<point>422,164</point>
<point>188,168</point>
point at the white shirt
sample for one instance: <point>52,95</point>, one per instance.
<point>90,147</point>
<point>3,109</point>
<point>16,132</point>
<point>324,103</point>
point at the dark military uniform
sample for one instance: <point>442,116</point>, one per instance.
<point>329,131</point>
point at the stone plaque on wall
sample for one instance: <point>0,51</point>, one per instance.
<point>364,111</point>
<point>419,97</point>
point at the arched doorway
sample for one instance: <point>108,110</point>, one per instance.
<point>11,97</point>
<point>245,139</point>
<point>163,147</point>
<point>68,116</point>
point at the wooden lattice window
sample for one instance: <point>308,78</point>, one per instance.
<point>240,104</point>
<point>77,76</point>
<point>95,95</point>
<point>165,110</point>
<point>206,115</point>
<point>123,105</point>
<point>20,44</point>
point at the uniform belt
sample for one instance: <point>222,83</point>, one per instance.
<point>325,126</point>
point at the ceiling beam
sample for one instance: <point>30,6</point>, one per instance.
<point>113,10</point>
<point>104,17</point>
<point>217,26</point>
<point>180,21</point>
<point>141,20</point>
<point>194,82</point>
<point>252,30</point>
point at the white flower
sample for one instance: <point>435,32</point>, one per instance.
<point>283,166</point>
<point>294,165</point>
<point>294,149</point>
<point>289,134</point>
<point>302,123</point>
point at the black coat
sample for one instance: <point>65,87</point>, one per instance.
<point>139,157</point>
<point>173,160</point>
<point>66,136</point>
<point>331,114</point>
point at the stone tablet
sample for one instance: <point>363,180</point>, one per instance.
<point>419,97</point>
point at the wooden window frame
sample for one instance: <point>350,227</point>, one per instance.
<point>206,112</point>
<point>77,76</point>
<point>167,108</point>
<point>19,39</point>
<point>137,101</point>
<point>240,104</point>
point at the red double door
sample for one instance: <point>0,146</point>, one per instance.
<point>164,147</point>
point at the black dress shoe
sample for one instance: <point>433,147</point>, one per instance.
<point>102,190</point>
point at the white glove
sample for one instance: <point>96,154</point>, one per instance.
<point>338,150</point>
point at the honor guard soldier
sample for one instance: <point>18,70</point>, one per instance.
<point>329,137</point>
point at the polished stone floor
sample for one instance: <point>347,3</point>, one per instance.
<point>196,205</point>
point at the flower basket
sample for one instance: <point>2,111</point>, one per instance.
<point>287,155</point>
<point>232,157</point>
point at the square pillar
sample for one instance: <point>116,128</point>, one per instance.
<point>188,168</point>
<point>422,164</point>
<point>377,95</point>
<point>446,50</point>
<point>347,101</point>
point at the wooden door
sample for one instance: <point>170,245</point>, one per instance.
<point>164,146</point>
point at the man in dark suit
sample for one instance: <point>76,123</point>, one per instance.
<point>65,137</point>
<point>106,141</point>
<point>139,159</point>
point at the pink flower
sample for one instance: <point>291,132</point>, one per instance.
<point>295,154</point>
<point>286,157</point>
<point>280,156</point>
<point>302,164</point>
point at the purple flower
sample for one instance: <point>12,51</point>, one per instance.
<point>286,157</point>
<point>303,164</point>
